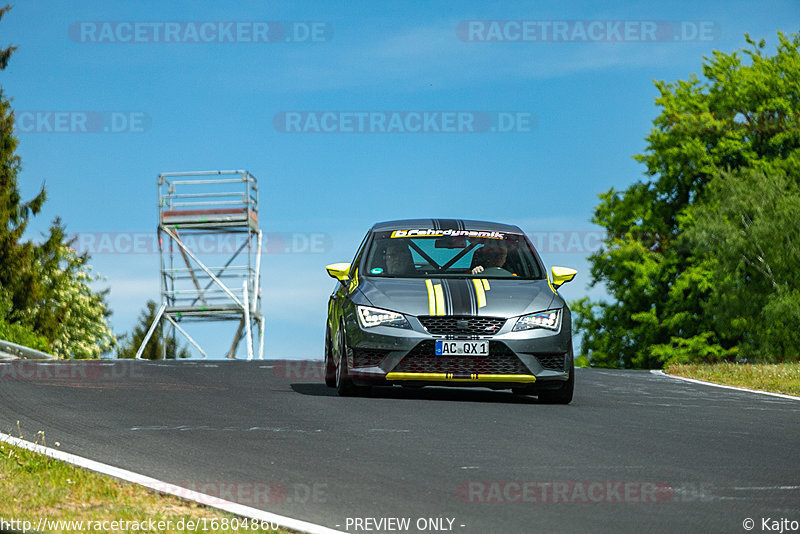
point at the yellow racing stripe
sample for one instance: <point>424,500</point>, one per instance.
<point>479,292</point>
<point>435,298</point>
<point>431,298</point>
<point>449,377</point>
<point>437,289</point>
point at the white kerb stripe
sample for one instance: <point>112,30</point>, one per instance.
<point>171,489</point>
<point>723,386</point>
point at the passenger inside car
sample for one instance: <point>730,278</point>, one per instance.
<point>397,258</point>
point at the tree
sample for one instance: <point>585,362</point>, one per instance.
<point>129,344</point>
<point>750,226</point>
<point>17,333</point>
<point>79,313</point>
<point>17,276</point>
<point>45,294</point>
<point>741,116</point>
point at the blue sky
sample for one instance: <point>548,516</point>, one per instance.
<point>212,106</point>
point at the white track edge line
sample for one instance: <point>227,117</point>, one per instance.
<point>724,386</point>
<point>171,489</point>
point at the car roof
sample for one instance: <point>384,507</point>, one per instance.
<point>445,224</point>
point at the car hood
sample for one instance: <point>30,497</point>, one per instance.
<point>459,296</point>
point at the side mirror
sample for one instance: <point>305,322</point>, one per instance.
<point>562,275</point>
<point>340,271</point>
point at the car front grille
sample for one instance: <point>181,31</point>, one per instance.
<point>553,362</point>
<point>368,358</point>
<point>458,325</point>
<point>501,361</point>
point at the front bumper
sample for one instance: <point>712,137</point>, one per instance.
<point>532,359</point>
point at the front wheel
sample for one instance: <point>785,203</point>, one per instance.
<point>330,366</point>
<point>562,395</point>
<point>344,383</point>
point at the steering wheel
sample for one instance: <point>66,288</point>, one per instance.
<point>494,271</point>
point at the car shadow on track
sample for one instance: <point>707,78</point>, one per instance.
<point>427,393</point>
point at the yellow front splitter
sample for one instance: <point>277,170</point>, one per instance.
<point>450,377</point>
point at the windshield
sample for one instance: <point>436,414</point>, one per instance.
<point>406,254</point>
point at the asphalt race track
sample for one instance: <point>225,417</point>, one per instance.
<point>634,452</point>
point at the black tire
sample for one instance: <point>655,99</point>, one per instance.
<point>330,367</point>
<point>563,395</point>
<point>344,383</point>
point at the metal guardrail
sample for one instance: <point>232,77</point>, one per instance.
<point>12,351</point>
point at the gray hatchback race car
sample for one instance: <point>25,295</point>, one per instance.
<point>449,303</point>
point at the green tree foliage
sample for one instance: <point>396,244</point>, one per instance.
<point>742,115</point>
<point>5,53</point>
<point>749,227</point>
<point>18,278</point>
<point>17,333</point>
<point>129,344</point>
<point>79,313</point>
<point>45,298</point>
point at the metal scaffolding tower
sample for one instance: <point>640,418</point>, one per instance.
<point>204,217</point>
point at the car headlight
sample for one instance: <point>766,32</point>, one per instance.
<point>546,319</point>
<point>369,317</point>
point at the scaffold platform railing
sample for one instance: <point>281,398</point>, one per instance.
<point>210,251</point>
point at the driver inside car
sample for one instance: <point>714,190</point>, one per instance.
<point>492,255</point>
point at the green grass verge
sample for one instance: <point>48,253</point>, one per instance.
<point>777,378</point>
<point>34,486</point>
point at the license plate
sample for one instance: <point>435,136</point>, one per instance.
<point>462,348</point>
